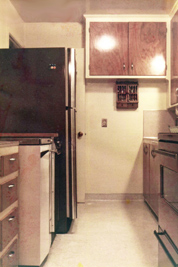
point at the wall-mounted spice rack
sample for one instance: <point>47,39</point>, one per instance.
<point>127,94</point>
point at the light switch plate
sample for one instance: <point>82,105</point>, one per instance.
<point>104,123</point>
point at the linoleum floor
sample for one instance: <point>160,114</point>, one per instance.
<point>108,234</point>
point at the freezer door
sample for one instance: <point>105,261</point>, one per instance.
<point>32,90</point>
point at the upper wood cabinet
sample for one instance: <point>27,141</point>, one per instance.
<point>174,59</point>
<point>116,48</point>
<point>108,48</point>
<point>147,48</point>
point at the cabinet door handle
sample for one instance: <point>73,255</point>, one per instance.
<point>132,66</point>
<point>11,254</point>
<point>11,185</point>
<point>12,159</point>
<point>123,66</point>
<point>12,218</point>
<point>145,149</point>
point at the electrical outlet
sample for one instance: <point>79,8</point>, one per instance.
<point>104,123</point>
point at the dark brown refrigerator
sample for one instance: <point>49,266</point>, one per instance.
<point>37,95</point>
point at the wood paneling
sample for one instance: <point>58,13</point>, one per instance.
<point>8,194</point>
<point>10,259</point>
<point>9,164</point>
<point>108,56</point>
<point>174,59</point>
<point>8,228</point>
<point>147,48</point>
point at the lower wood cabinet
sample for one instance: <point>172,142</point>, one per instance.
<point>151,176</point>
<point>10,258</point>
<point>9,175</point>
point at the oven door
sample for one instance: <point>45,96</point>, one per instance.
<point>168,215</point>
<point>167,235</point>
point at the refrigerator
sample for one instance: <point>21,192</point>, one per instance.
<point>37,96</point>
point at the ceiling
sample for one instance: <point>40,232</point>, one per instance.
<point>73,10</point>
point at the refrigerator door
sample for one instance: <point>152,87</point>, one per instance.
<point>71,138</point>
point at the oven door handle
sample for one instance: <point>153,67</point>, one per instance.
<point>164,153</point>
<point>164,246</point>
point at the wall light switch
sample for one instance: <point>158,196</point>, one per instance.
<point>104,123</point>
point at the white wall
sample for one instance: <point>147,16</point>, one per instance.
<point>10,23</point>
<point>114,154</point>
<point>53,35</point>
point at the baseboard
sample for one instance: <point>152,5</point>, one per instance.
<point>109,197</point>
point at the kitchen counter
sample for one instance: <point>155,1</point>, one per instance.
<point>150,140</point>
<point>39,135</point>
<point>8,143</point>
<point>28,138</point>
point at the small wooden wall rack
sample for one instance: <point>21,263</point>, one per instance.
<point>127,94</point>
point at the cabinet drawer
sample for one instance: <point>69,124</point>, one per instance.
<point>9,164</point>
<point>8,228</point>
<point>8,194</point>
<point>10,259</point>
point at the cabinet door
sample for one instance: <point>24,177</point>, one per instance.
<point>146,172</point>
<point>174,59</point>
<point>108,48</point>
<point>147,48</point>
<point>154,179</point>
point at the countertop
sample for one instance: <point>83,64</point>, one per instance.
<point>8,143</point>
<point>150,140</point>
<point>23,135</point>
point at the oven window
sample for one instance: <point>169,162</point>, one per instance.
<point>169,186</point>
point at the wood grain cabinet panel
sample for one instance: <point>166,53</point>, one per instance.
<point>8,194</point>
<point>127,49</point>
<point>10,259</point>
<point>9,164</point>
<point>8,228</point>
<point>174,59</point>
<point>108,48</point>
<point>147,48</point>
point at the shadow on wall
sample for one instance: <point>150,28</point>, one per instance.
<point>134,185</point>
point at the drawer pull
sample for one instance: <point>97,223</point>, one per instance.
<point>11,185</point>
<point>12,159</point>
<point>11,219</point>
<point>11,254</point>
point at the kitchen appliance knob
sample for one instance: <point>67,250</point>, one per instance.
<point>80,134</point>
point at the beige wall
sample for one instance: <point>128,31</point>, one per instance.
<point>114,154</point>
<point>53,35</point>
<point>10,23</point>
